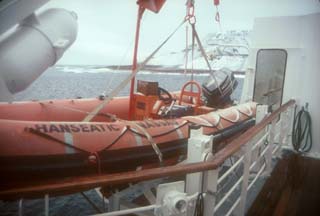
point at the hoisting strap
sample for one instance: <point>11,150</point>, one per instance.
<point>148,136</point>
<point>116,91</point>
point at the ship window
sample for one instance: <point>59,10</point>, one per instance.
<point>269,78</point>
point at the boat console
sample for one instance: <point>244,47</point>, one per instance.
<point>152,101</point>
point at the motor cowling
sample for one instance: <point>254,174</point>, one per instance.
<point>217,89</point>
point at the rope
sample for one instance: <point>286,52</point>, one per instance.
<point>199,208</point>
<point>187,51</point>
<point>109,115</point>
<point>98,162</point>
<point>114,118</point>
<point>301,131</point>
<point>118,68</point>
<point>116,91</point>
<point>49,137</point>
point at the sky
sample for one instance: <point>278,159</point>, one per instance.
<point>106,28</point>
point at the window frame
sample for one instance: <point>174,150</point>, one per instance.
<point>284,74</point>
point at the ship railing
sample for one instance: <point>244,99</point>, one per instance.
<point>253,150</point>
<point>260,147</point>
<point>254,153</point>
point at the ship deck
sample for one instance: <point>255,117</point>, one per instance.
<point>292,189</point>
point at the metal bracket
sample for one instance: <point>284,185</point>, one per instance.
<point>171,199</point>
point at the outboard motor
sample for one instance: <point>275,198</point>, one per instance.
<point>217,89</point>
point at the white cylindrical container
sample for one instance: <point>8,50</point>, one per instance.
<point>36,44</point>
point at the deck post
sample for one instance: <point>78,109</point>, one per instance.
<point>284,126</point>
<point>270,147</point>
<point>198,145</point>
<point>211,184</point>
<point>114,202</point>
<point>20,213</point>
<point>245,180</point>
<point>291,113</point>
<point>105,202</point>
<point>46,205</point>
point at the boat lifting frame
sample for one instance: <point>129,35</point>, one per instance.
<point>134,61</point>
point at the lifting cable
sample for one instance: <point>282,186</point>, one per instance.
<point>192,58</point>
<point>116,91</point>
<point>192,19</point>
<point>217,19</point>
<point>187,39</point>
<point>117,69</point>
<point>301,131</point>
<point>195,37</point>
<point>203,52</point>
<point>118,88</point>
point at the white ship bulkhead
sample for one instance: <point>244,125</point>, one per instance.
<point>299,37</point>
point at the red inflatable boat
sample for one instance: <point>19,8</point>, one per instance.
<point>48,139</point>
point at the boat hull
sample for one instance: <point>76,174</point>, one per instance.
<point>32,151</point>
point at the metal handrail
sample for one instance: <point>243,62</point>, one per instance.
<point>72,185</point>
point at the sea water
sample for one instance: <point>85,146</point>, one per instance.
<point>73,82</point>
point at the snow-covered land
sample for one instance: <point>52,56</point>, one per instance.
<point>223,50</point>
